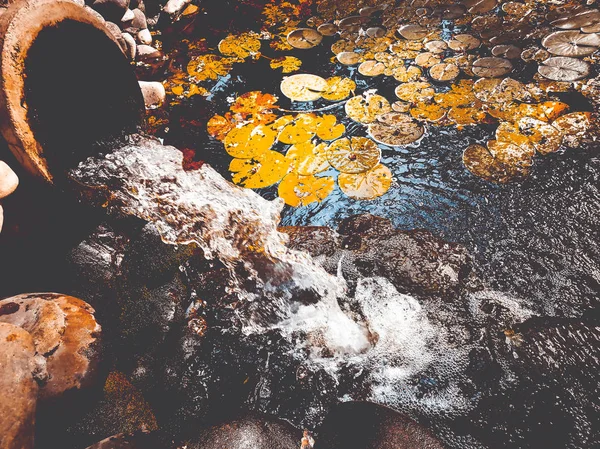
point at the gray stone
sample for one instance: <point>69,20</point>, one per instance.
<point>111,10</point>
<point>144,37</point>
<point>131,45</point>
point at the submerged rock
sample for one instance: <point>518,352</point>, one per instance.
<point>416,262</point>
<point>363,425</point>
<point>19,389</point>
<point>153,92</point>
<point>253,431</point>
<point>64,332</point>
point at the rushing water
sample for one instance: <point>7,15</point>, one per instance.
<point>535,242</point>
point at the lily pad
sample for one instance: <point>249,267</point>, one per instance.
<point>303,87</point>
<point>367,185</point>
<point>304,38</point>
<point>366,108</point>
<point>571,43</point>
<point>354,155</point>
<point>300,190</point>
<point>562,68</point>
<point>444,72</point>
<point>492,67</point>
<point>395,129</point>
<point>260,171</point>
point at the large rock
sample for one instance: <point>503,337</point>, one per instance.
<point>19,389</point>
<point>111,10</point>
<point>64,332</point>
<point>253,431</point>
<point>363,425</point>
<point>416,262</point>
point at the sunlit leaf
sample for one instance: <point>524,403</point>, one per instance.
<point>219,126</point>
<point>415,92</point>
<point>298,190</point>
<point>353,155</point>
<point>206,67</point>
<point>288,64</point>
<point>256,105</point>
<point>262,170</point>
<point>303,87</point>
<point>249,140</point>
<point>395,129</point>
<point>430,112</point>
<point>328,129</point>
<point>366,108</point>
<point>307,158</point>
<point>338,88</point>
<point>367,185</point>
<point>240,45</point>
<point>544,137</point>
<point>301,129</point>
<point>574,127</point>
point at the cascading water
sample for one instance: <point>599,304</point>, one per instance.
<point>427,357</point>
<point>235,226</point>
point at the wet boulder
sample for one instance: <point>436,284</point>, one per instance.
<point>112,10</point>
<point>65,333</point>
<point>19,389</point>
<point>364,425</point>
<point>8,180</point>
<point>416,262</point>
<point>252,431</point>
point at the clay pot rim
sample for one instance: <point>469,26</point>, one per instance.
<point>20,26</point>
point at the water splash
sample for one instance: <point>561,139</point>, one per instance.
<point>235,226</point>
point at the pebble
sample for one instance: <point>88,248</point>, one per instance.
<point>64,332</point>
<point>8,180</point>
<point>19,389</point>
<point>144,37</point>
<point>128,16</point>
<point>145,52</point>
<point>131,45</point>
<point>139,20</point>
<point>153,92</point>
<point>175,7</point>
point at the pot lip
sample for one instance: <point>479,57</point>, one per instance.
<point>20,26</point>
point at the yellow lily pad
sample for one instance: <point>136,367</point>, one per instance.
<point>303,87</point>
<point>367,185</point>
<point>354,155</point>
<point>366,108</point>
<point>298,190</point>
<point>260,171</point>
<point>249,140</point>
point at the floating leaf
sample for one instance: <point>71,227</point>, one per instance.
<point>395,129</point>
<point>430,112</point>
<point>348,58</point>
<point>219,126</point>
<point>206,67</point>
<point>492,67</point>
<point>371,68</point>
<point>427,59</point>
<point>240,46</point>
<point>354,155</point>
<point>338,88</point>
<point>288,64</point>
<point>304,38</point>
<point>437,47</point>
<point>415,92</point>
<point>249,140</point>
<point>574,127</point>
<point>255,105</point>
<point>260,171</point>
<point>298,190</point>
<point>497,167</point>
<point>301,129</point>
<point>367,185</point>
<point>545,138</point>
<point>413,32</point>
<point>464,42</point>
<point>495,90</point>
<point>571,43</point>
<point>303,87</point>
<point>406,74</point>
<point>444,72</point>
<point>561,68</point>
<point>307,158</point>
<point>328,129</point>
<point>366,108</point>
<point>466,115</point>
